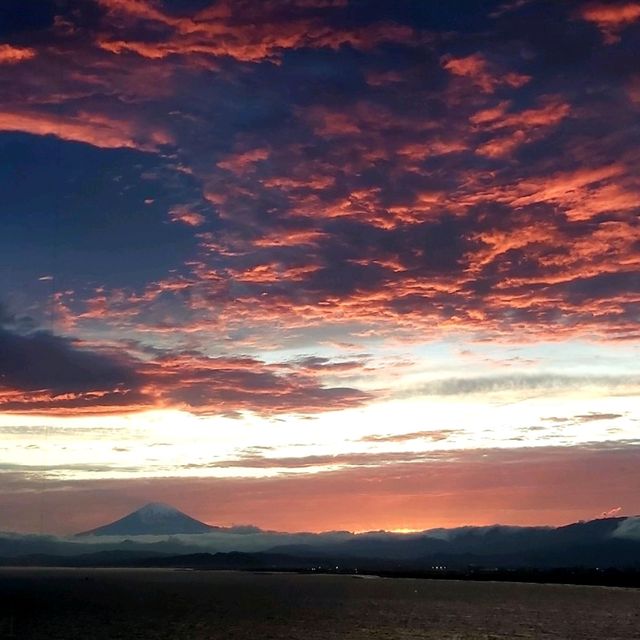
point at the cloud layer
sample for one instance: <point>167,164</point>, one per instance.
<point>272,210</point>
<point>44,373</point>
<point>483,188</point>
<point>531,487</point>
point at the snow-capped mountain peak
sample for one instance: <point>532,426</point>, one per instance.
<point>157,510</point>
<point>154,518</point>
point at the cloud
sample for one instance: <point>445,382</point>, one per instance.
<point>594,417</point>
<point>583,418</point>
<point>90,128</point>
<point>231,385</point>
<point>41,372</point>
<point>326,185</point>
<point>611,18</point>
<point>48,374</point>
<point>479,71</point>
<point>509,7</point>
<point>535,486</point>
<point>14,55</point>
<point>527,382</point>
<point>512,130</point>
<point>239,31</point>
<point>432,435</point>
<point>628,529</point>
<point>42,360</point>
<point>321,462</point>
<point>240,163</point>
<point>488,195</point>
<point>187,216</point>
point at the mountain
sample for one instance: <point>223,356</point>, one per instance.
<point>158,533</point>
<point>155,518</point>
<point>597,543</point>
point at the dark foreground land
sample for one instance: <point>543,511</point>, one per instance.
<point>141,604</point>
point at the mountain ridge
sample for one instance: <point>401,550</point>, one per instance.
<point>160,530</point>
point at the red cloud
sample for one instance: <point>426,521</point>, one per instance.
<point>479,71</point>
<point>611,19</point>
<point>13,55</point>
<point>237,31</point>
<point>418,211</point>
<point>240,163</point>
<point>582,194</point>
<point>515,129</point>
<point>187,216</point>
<point>90,128</point>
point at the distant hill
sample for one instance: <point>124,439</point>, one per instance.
<point>583,544</point>
<point>160,535</point>
<point>155,518</point>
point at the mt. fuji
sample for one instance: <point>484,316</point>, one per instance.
<point>155,518</point>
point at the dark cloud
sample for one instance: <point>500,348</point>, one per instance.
<point>43,361</point>
<point>593,417</point>
<point>431,435</point>
<point>524,382</point>
<point>214,386</point>
<point>342,460</point>
<point>42,372</point>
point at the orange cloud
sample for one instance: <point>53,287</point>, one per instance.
<point>240,163</point>
<point>331,123</point>
<point>583,193</point>
<point>216,31</point>
<point>478,70</point>
<point>490,114</point>
<point>290,239</point>
<point>522,128</point>
<point>90,128</point>
<point>273,273</point>
<point>187,216</point>
<point>386,209</point>
<point>13,55</point>
<point>611,19</point>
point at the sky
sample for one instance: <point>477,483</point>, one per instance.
<point>319,264</point>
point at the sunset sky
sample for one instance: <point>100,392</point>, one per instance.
<point>319,264</point>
